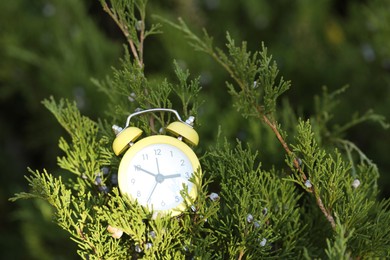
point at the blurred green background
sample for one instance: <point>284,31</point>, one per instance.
<point>55,47</point>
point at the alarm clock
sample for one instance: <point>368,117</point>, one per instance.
<point>155,169</point>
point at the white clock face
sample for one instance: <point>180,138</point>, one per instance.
<point>155,176</point>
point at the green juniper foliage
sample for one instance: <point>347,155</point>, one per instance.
<point>321,203</point>
<point>261,215</point>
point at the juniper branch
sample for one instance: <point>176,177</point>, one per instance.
<point>327,213</point>
<point>221,58</point>
<point>204,45</point>
<point>272,125</point>
<point>124,28</point>
<point>349,146</point>
<point>356,119</point>
<point>242,252</point>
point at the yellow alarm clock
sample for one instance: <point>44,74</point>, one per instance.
<point>154,169</point>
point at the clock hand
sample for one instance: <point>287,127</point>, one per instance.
<point>148,172</point>
<point>172,176</point>
<point>150,196</point>
<point>162,177</point>
<point>159,177</point>
<point>158,168</point>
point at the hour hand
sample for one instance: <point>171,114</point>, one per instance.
<point>172,176</point>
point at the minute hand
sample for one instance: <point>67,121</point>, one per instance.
<point>148,172</point>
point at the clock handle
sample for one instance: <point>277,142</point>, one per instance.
<point>189,121</point>
<point>183,130</point>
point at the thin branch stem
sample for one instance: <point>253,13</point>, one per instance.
<point>228,69</point>
<point>348,144</point>
<point>241,255</point>
<point>272,125</point>
<point>327,213</point>
<point>125,31</point>
<point>274,128</point>
<point>81,234</point>
<point>141,41</point>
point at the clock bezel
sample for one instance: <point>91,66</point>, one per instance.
<point>124,185</point>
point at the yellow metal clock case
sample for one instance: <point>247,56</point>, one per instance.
<point>154,169</point>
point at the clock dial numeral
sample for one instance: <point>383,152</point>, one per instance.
<point>137,167</point>
<point>145,157</point>
<point>171,153</point>
<point>132,181</point>
<point>138,194</point>
<point>163,203</point>
<point>182,162</point>
<point>157,151</point>
<point>177,198</point>
<point>188,175</point>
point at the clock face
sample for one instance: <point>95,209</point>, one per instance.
<point>154,174</point>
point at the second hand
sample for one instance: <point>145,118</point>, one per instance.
<point>150,196</point>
